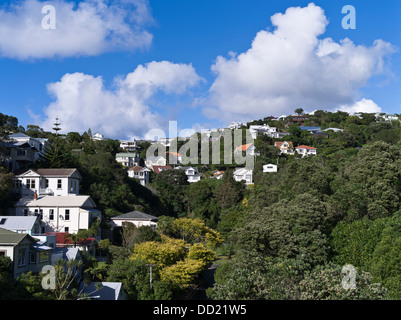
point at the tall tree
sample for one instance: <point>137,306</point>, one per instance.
<point>55,155</point>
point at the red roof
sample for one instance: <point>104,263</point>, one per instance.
<point>158,169</point>
<point>305,147</point>
<point>136,169</point>
<point>244,147</point>
<point>62,241</point>
<point>278,144</point>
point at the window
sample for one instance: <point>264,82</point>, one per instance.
<point>30,183</point>
<point>44,256</point>
<point>26,212</point>
<point>59,183</point>
<point>66,229</point>
<point>32,257</point>
<point>39,213</point>
<point>17,184</point>
<point>67,214</point>
<point>47,183</point>
<point>51,214</point>
<point>21,257</point>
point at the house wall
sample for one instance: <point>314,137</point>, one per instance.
<point>69,186</point>
<point>22,247</point>
<point>79,218</point>
<point>137,223</point>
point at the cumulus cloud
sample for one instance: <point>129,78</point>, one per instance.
<point>362,106</point>
<point>88,28</point>
<point>82,101</point>
<point>293,67</point>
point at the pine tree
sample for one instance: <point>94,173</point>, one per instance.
<point>55,155</point>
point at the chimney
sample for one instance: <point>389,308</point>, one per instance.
<point>35,195</point>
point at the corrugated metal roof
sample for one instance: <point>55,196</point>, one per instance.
<point>57,201</point>
<point>17,222</point>
<point>107,290</point>
<point>134,215</point>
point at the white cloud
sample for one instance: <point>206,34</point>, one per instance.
<point>363,105</point>
<point>82,101</point>
<point>292,67</point>
<point>88,28</point>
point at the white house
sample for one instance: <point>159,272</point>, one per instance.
<point>129,146</point>
<point>155,161</point>
<point>140,173</point>
<point>98,137</point>
<point>269,168</point>
<point>235,125</point>
<point>55,182</point>
<point>62,213</point>
<point>254,130</point>
<point>138,218</point>
<point>38,143</point>
<point>128,159</point>
<point>306,150</point>
<point>192,173</point>
<point>387,117</point>
<point>286,147</point>
<point>243,174</point>
<point>218,174</point>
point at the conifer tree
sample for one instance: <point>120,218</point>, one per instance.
<point>55,155</point>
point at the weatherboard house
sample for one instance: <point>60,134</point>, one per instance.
<point>138,218</point>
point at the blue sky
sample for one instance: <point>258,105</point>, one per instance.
<point>115,97</point>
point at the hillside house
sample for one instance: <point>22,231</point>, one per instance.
<point>249,149</point>
<point>270,168</point>
<point>140,173</point>
<point>25,252</point>
<point>286,147</point>
<point>55,182</point>
<point>61,213</point>
<point>306,150</point>
<point>129,146</point>
<point>192,173</point>
<point>128,159</point>
<point>254,130</point>
<point>138,218</point>
<point>243,174</point>
<point>155,161</point>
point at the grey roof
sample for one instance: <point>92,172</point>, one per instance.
<point>14,223</point>
<point>107,291</point>
<point>135,215</point>
<point>65,254</point>
<point>57,201</point>
<point>18,135</point>
<point>53,172</point>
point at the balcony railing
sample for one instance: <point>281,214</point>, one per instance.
<point>45,191</point>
